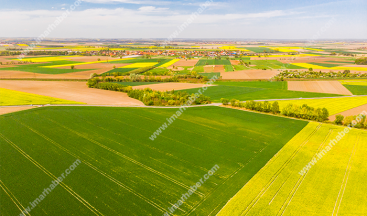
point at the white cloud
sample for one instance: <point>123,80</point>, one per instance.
<point>151,9</point>
<point>128,2</point>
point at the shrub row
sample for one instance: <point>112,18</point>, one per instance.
<point>157,98</point>
<point>150,97</point>
<point>346,121</point>
<point>361,61</point>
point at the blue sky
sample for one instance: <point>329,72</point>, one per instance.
<point>256,19</point>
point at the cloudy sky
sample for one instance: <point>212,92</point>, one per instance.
<point>255,19</point>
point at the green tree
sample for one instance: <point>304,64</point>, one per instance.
<point>275,108</point>
<point>233,102</point>
<point>224,101</point>
<point>339,119</point>
<point>325,114</point>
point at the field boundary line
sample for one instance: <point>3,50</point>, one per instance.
<point>345,179</point>
<point>125,157</point>
<point>235,172</point>
<point>212,191</point>
<point>62,184</point>
<point>11,196</point>
<point>278,172</point>
<point>96,169</point>
<point>300,180</point>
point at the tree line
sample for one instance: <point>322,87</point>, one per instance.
<point>151,97</point>
<point>291,110</point>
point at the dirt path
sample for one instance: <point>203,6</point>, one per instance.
<point>75,91</point>
<point>332,87</point>
<point>6,110</point>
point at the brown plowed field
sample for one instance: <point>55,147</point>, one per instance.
<point>332,87</point>
<point>75,91</point>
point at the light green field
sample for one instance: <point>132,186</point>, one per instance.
<point>333,105</point>
<point>335,185</point>
<point>11,98</point>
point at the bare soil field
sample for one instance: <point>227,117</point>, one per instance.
<point>332,87</point>
<point>354,65</point>
<point>219,68</point>
<point>208,68</point>
<point>171,86</point>
<point>235,62</point>
<point>4,59</point>
<point>183,62</point>
<point>5,110</point>
<point>75,91</point>
<point>351,112</point>
<point>249,74</point>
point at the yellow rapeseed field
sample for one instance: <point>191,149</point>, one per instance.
<point>85,63</point>
<point>332,185</point>
<point>170,63</point>
<point>333,105</point>
<point>140,65</point>
<point>12,98</point>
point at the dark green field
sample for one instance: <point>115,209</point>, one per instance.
<point>325,65</point>
<point>260,49</point>
<point>37,68</point>
<point>210,75</point>
<point>123,172</point>
<point>254,91</point>
<point>203,62</point>
<point>342,62</point>
<point>119,70</point>
<point>271,64</point>
<point>256,84</point>
<point>228,68</point>
<point>357,89</point>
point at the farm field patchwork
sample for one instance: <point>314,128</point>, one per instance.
<point>12,98</point>
<point>333,186</point>
<point>260,49</point>
<point>45,59</point>
<point>203,62</point>
<point>228,68</point>
<point>120,164</point>
<point>271,64</point>
<point>170,63</point>
<point>43,68</point>
<point>140,65</point>
<point>327,67</point>
<point>333,105</point>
